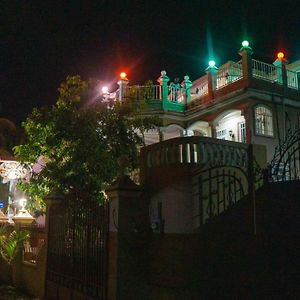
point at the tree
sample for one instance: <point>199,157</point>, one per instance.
<point>77,145</point>
<point>11,243</point>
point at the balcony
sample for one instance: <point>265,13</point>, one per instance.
<point>280,78</point>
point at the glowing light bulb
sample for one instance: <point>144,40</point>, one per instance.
<point>211,63</point>
<point>104,89</point>
<point>280,55</point>
<point>123,75</point>
<point>23,202</point>
<point>245,43</point>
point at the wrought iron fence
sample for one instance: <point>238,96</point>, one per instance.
<point>285,164</point>
<point>77,248</point>
<point>223,171</point>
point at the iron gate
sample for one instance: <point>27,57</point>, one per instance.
<point>285,165</point>
<point>76,261</point>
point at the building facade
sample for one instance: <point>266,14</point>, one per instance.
<point>248,101</point>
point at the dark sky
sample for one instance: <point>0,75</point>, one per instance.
<point>42,42</point>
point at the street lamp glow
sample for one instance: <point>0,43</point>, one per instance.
<point>22,202</point>
<point>280,55</point>
<point>245,43</point>
<point>104,89</point>
<point>211,63</point>
<point>123,75</point>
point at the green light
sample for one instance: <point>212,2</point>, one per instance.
<point>211,63</point>
<point>245,43</point>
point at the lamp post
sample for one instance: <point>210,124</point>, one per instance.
<point>23,216</point>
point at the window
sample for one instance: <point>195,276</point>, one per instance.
<point>242,132</point>
<point>221,134</point>
<point>263,121</point>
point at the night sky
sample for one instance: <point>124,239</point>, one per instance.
<point>42,42</point>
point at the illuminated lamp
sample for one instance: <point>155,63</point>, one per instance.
<point>212,63</point>
<point>123,75</point>
<point>245,44</point>
<point>104,89</point>
<point>280,55</point>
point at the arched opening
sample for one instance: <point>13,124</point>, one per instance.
<point>172,131</point>
<point>199,128</point>
<point>151,136</point>
<point>231,126</point>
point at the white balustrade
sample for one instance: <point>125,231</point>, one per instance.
<point>264,71</point>
<point>292,79</point>
<point>229,73</point>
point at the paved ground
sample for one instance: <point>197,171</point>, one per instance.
<point>11,293</point>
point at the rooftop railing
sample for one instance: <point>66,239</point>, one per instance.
<point>143,92</point>
<point>264,71</point>
<point>201,89</point>
<point>229,73</point>
<point>292,80</point>
<point>174,96</point>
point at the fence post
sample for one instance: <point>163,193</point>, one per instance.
<point>125,267</point>
<point>187,84</point>
<point>164,89</point>
<point>53,199</point>
<point>246,53</point>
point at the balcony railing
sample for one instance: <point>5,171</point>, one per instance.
<point>292,79</point>
<point>264,71</point>
<point>175,97</point>
<point>229,73</point>
<point>176,94</point>
<point>202,88</point>
<point>143,92</point>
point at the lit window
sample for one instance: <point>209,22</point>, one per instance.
<point>221,134</point>
<point>263,120</point>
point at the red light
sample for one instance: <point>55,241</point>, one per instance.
<point>123,75</point>
<point>280,55</point>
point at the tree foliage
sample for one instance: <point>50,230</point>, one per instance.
<point>11,243</point>
<point>79,144</point>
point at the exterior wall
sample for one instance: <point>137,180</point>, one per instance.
<point>33,275</point>
<point>28,275</point>
<point>172,189</point>
<point>190,180</point>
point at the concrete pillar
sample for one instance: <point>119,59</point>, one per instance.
<point>187,84</point>
<point>246,53</point>
<point>163,81</point>
<point>52,201</point>
<point>123,82</point>
<point>281,74</point>
<point>247,112</point>
<point>127,227</point>
<point>211,72</point>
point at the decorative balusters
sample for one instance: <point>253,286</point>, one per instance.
<point>229,73</point>
<point>264,71</point>
<point>292,80</point>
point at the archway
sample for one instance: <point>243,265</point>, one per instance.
<point>199,128</point>
<point>231,126</point>
<point>172,131</point>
